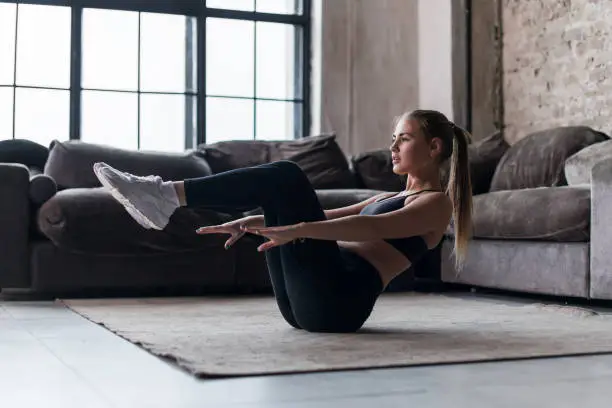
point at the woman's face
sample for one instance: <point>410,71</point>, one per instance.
<point>411,152</point>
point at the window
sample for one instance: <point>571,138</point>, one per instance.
<point>136,85</point>
<point>161,75</point>
<point>35,74</point>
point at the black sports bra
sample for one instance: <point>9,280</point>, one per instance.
<point>412,247</point>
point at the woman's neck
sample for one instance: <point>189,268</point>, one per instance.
<point>414,184</point>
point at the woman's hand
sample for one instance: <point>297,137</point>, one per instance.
<point>277,235</point>
<point>234,228</point>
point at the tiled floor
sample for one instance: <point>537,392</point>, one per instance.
<point>51,357</point>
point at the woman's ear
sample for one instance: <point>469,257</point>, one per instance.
<point>435,147</point>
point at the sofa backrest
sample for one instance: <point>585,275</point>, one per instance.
<point>538,159</point>
<point>374,169</point>
<point>70,163</point>
<point>320,157</point>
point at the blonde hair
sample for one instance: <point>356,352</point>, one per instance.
<point>455,141</point>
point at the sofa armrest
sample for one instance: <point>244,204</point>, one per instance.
<point>601,230</point>
<point>14,225</point>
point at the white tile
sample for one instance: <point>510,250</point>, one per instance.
<point>31,376</point>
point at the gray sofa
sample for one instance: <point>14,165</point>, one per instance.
<point>63,234</point>
<point>535,229</point>
<point>545,225</point>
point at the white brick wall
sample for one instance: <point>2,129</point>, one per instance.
<point>557,65</point>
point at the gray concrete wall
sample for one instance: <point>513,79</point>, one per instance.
<point>487,104</point>
<point>557,65</point>
<point>435,56</point>
<point>375,59</point>
<point>369,69</point>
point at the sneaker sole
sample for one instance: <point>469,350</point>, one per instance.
<point>124,201</point>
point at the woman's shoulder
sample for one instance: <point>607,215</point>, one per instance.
<point>439,198</point>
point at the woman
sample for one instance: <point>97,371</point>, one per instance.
<point>327,268</point>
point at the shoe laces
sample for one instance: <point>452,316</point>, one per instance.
<point>145,179</point>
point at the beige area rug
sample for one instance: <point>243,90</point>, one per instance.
<point>222,336</point>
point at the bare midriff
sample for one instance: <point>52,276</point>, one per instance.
<point>387,260</point>
<point>383,256</point>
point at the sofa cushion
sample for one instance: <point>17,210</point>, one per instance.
<point>483,156</point>
<point>90,220</point>
<point>542,214</point>
<point>24,152</point>
<point>70,163</point>
<point>320,158</point>
<point>538,159</point>
<point>578,166</point>
<point>234,154</point>
<point>324,163</point>
<point>374,170</point>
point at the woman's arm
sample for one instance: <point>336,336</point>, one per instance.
<point>423,215</point>
<point>353,209</point>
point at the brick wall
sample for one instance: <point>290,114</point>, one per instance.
<point>557,65</point>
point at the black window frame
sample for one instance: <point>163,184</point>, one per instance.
<point>199,10</point>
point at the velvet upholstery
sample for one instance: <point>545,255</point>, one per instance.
<point>579,166</point>
<point>319,157</point>
<point>70,163</point>
<point>92,221</point>
<point>561,214</point>
<point>548,238</point>
<point>538,159</point>
<point>601,230</point>
<point>552,268</point>
<point>483,157</point>
<point>15,222</point>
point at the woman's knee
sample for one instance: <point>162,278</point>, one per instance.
<point>289,173</point>
<point>289,168</point>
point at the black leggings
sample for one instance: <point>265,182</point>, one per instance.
<point>318,286</point>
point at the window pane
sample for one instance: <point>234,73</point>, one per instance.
<point>244,5</point>
<point>278,6</point>
<point>7,43</point>
<point>42,115</point>
<point>275,60</point>
<point>228,119</point>
<point>164,53</point>
<point>163,122</point>
<point>43,46</point>
<point>110,49</point>
<point>110,118</point>
<point>6,113</point>
<point>229,57</point>
<point>275,120</point>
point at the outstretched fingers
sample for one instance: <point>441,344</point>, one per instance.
<point>232,240</point>
<point>267,245</point>
<point>212,229</point>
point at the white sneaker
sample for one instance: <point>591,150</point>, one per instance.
<point>142,197</point>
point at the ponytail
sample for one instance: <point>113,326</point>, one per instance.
<point>459,186</point>
<point>459,189</point>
